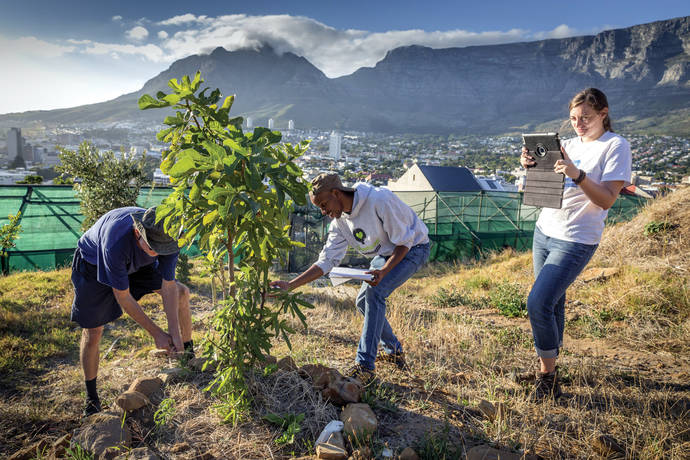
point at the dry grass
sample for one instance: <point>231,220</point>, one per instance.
<point>625,364</point>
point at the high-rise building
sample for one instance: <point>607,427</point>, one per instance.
<point>14,143</point>
<point>250,123</point>
<point>334,148</point>
<point>291,125</point>
<point>270,123</point>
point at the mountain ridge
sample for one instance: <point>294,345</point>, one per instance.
<point>643,69</point>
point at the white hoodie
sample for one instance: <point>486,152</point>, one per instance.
<point>379,221</point>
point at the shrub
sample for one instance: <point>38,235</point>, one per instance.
<point>509,300</point>
<point>105,182</point>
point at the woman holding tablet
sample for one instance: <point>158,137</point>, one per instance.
<point>597,164</point>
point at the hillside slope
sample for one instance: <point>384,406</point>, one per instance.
<point>625,363</point>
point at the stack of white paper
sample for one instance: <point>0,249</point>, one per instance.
<point>339,275</point>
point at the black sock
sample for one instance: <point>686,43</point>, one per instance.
<point>189,347</point>
<point>91,392</point>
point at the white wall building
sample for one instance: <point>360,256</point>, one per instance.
<point>291,125</point>
<point>250,123</point>
<point>334,147</point>
<point>270,123</point>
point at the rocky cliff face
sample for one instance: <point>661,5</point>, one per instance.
<point>481,89</point>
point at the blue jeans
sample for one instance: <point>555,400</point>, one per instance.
<point>556,265</point>
<point>371,302</point>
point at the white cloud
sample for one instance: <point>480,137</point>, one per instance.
<point>182,19</point>
<point>137,33</point>
<point>151,52</point>
<point>561,31</point>
<point>117,18</point>
<point>32,48</point>
<point>162,35</point>
<point>335,52</point>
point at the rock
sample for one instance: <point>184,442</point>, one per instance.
<point>341,390</point>
<point>132,400</point>
<point>172,375</point>
<point>157,353</point>
<point>313,372</point>
<point>330,452</point>
<point>336,439</point>
<point>359,420</point>
<point>102,431</point>
<point>607,446</point>
<point>408,453</point>
<point>491,411</point>
<point>333,385</point>
<point>140,453</point>
<point>598,274</point>
<point>489,453</point>
<point>35,450</point>
<point>146,385</point>
<point>287,364</point>
<point>268,359</point>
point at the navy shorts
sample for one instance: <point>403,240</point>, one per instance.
<point>95,303</point>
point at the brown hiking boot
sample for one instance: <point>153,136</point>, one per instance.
<point>361,373</point>
<point>397,358</point>
<point>546,386</point>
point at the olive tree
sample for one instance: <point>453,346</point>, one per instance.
<point>104,181</point>
<point>232,194</point>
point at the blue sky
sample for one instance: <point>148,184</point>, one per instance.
<point>63,53</point>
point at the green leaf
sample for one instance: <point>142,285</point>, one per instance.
<point>181,167</point>
<point>148,102</point>
<point>210,217</point>
<point>172,99</point>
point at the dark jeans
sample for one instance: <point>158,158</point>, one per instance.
<point>371,302</point>
<point>556,265</point>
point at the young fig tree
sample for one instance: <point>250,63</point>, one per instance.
<point>232,193</point>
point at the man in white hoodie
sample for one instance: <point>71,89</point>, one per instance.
<point>376,223</point>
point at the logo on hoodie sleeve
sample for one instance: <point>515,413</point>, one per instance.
<point>359,235</point>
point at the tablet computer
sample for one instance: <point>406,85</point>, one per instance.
<point>543,186</point>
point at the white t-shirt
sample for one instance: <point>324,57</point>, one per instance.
<point>605,159</point>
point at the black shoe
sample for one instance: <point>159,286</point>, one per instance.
<point>93,406</point>
<point>397,358</point>
<point>546,386</point>
<point>361,373</point>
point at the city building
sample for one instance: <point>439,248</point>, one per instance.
<point>15,143</point>
<point>334,147</point>
<point>424,178</point>
<point>291,125</point>
<point>270,123</point>
<point>250,123</point>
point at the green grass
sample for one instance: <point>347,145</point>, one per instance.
<point>35,326</point>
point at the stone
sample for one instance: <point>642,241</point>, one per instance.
<point>330,452</point>
<point>491,411</point>
<point>408,453</point>
<point>489,453</point>
<point>607,446</point>
<point>341,390</point>
<point>132,400</point>
<point>172,375</point>
<point>598,274</point>
<point>140,453</point>
<point>146,385</point>
<point>102,431</point>
<point>287,364</point>
<point>158,353</point>
<point>359,420</point>
<point>336,439</point>
<point>313,372</point>
<point>35,450</point>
